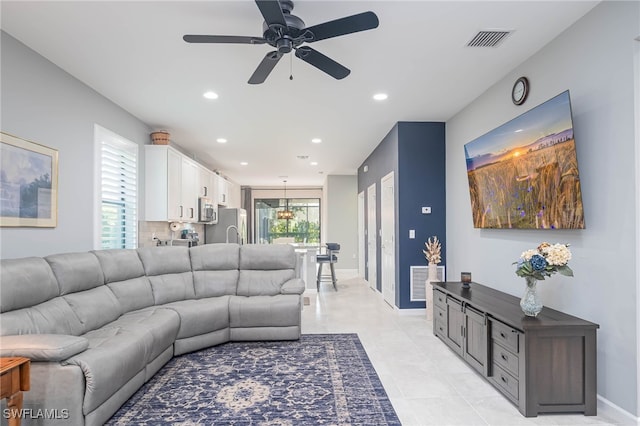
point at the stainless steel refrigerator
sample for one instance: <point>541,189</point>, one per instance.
<point>231,227</point>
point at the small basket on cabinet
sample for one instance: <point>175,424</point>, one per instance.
<point>160,138</point>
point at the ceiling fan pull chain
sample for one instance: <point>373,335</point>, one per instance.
<point>290,67</point>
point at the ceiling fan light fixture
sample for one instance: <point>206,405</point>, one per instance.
<point>210,95</point>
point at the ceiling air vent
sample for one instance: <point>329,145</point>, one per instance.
<point>490,38</point>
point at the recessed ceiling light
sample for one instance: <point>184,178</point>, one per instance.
<point>210,95</point>
<point>244,163</point>
<point>221,140</point>
<point>380,96</point>
<point>316,140</point>
<point>314,163</point>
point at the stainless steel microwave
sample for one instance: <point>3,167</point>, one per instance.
<point>207,210</point>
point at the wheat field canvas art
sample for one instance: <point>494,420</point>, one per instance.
<point>524,174</point>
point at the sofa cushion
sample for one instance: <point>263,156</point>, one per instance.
<point>215,257</point>
<point>165,260</point>
<point>133,294</point>
<point>267,256</point>
<point>158,327</point>
<point>263,283</point>
<point>114,357</point>
<point>215,269</point>
<point>215,283</point>
<point>264,311</point>
<point>54,316</point>
<point>94,308</point>
<point>76,271</point>
<point>201,316</point>
<point>119,264</point>
<point>42,347</point>
<point>172,287</point>
<point>25,282</point>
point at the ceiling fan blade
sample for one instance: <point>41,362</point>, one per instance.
<point>266,66</point>
<point>191,38</point>
<point>272,12</point>
<point>350,24</point>
<point>322,62</point>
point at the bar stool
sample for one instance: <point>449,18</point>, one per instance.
<point>330,258</point>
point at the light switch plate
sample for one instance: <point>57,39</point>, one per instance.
<point>426,210</point>
<point>412,234</point>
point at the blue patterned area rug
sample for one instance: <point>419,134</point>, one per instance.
<point>321,379</point>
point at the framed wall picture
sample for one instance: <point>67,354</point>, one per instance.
<point>28,183</point>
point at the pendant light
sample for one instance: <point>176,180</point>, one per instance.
<point>286,213</point>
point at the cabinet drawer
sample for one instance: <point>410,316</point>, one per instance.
<point>440,299</point>
<point>439,314</point>
<point>440,328</point>
<point>505,335</point>
<point>505,381</point>
<point>504,358</point>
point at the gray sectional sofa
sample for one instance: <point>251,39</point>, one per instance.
<point>98,325</point>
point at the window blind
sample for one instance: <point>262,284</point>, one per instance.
<point>119,193</point>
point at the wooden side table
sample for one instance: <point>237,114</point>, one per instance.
<point>14,376</point>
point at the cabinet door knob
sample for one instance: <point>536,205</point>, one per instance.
<point>503,356</point>
<point>504,379</point>
<point>504,336</point>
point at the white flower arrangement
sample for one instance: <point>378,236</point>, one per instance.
<point>433,250</point>
<point>544,261</point>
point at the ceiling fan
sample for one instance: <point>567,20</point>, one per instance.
<point>287,32</point>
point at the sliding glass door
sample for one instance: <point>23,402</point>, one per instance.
<point>303,227</point>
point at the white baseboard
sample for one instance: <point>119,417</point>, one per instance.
<point>416,311</point>
<point>611,411</point>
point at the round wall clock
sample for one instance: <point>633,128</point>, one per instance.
<point>520,91</point>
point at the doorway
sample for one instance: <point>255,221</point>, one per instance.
<point>387,231</point>
<point>361,236</point>
<point>372,240</point>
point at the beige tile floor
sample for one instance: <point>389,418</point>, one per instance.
<point>426,382</point>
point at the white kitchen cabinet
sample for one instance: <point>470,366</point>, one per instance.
<point>171,185</point>
<point>208,191</point>
<point>223,191</point>
<point>189,191</point>
<point>234,194</point>
<point>207,184</point>
<point>174,185</point>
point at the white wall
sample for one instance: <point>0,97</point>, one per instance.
<point>341,224</point>
<point>594,60</point>
<point>42,103</point>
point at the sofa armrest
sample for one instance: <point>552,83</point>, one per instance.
<point>42,347</point>
<point>294,286</point>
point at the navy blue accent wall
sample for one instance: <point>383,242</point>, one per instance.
<point>382,161</point>
<point>421,183</point>
<point>415,152</point>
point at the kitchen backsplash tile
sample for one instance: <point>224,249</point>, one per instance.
<point>147,230</point>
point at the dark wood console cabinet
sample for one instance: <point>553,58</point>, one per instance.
<point>545,364</point>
